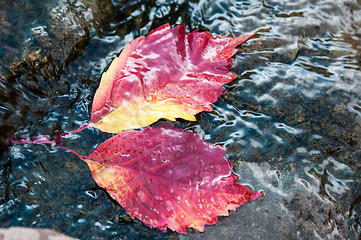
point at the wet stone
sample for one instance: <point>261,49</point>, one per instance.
<point>67,29</point>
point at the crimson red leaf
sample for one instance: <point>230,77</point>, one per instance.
<point>168,74</point>
<point>168,178</point>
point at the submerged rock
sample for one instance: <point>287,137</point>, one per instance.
<point>34,65</point>
<point>67,29</point>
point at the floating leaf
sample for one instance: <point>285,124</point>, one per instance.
<point>168,74</point>
<point>168,178</point>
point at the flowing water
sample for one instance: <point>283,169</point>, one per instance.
<point>291,121</point>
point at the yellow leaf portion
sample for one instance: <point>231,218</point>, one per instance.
<point>138,113</point>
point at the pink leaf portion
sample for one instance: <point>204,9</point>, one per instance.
<point>168,178</point>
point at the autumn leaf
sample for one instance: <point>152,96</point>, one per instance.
<point>168,74</point>
<point>168,177</point>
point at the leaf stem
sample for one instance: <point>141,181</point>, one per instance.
<point>55,142</point>
<point>61,136</point>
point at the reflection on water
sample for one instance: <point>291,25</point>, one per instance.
<point>291,121</point>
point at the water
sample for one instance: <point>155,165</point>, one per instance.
<point>291,121</point>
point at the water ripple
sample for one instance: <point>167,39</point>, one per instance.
<point>290,121</point>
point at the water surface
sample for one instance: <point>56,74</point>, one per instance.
<point>291,121</point>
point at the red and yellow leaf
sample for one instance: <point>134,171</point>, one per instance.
<point>168,74</point>
<point>168,177</point>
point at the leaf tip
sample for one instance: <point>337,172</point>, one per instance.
<point>256,195</point>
